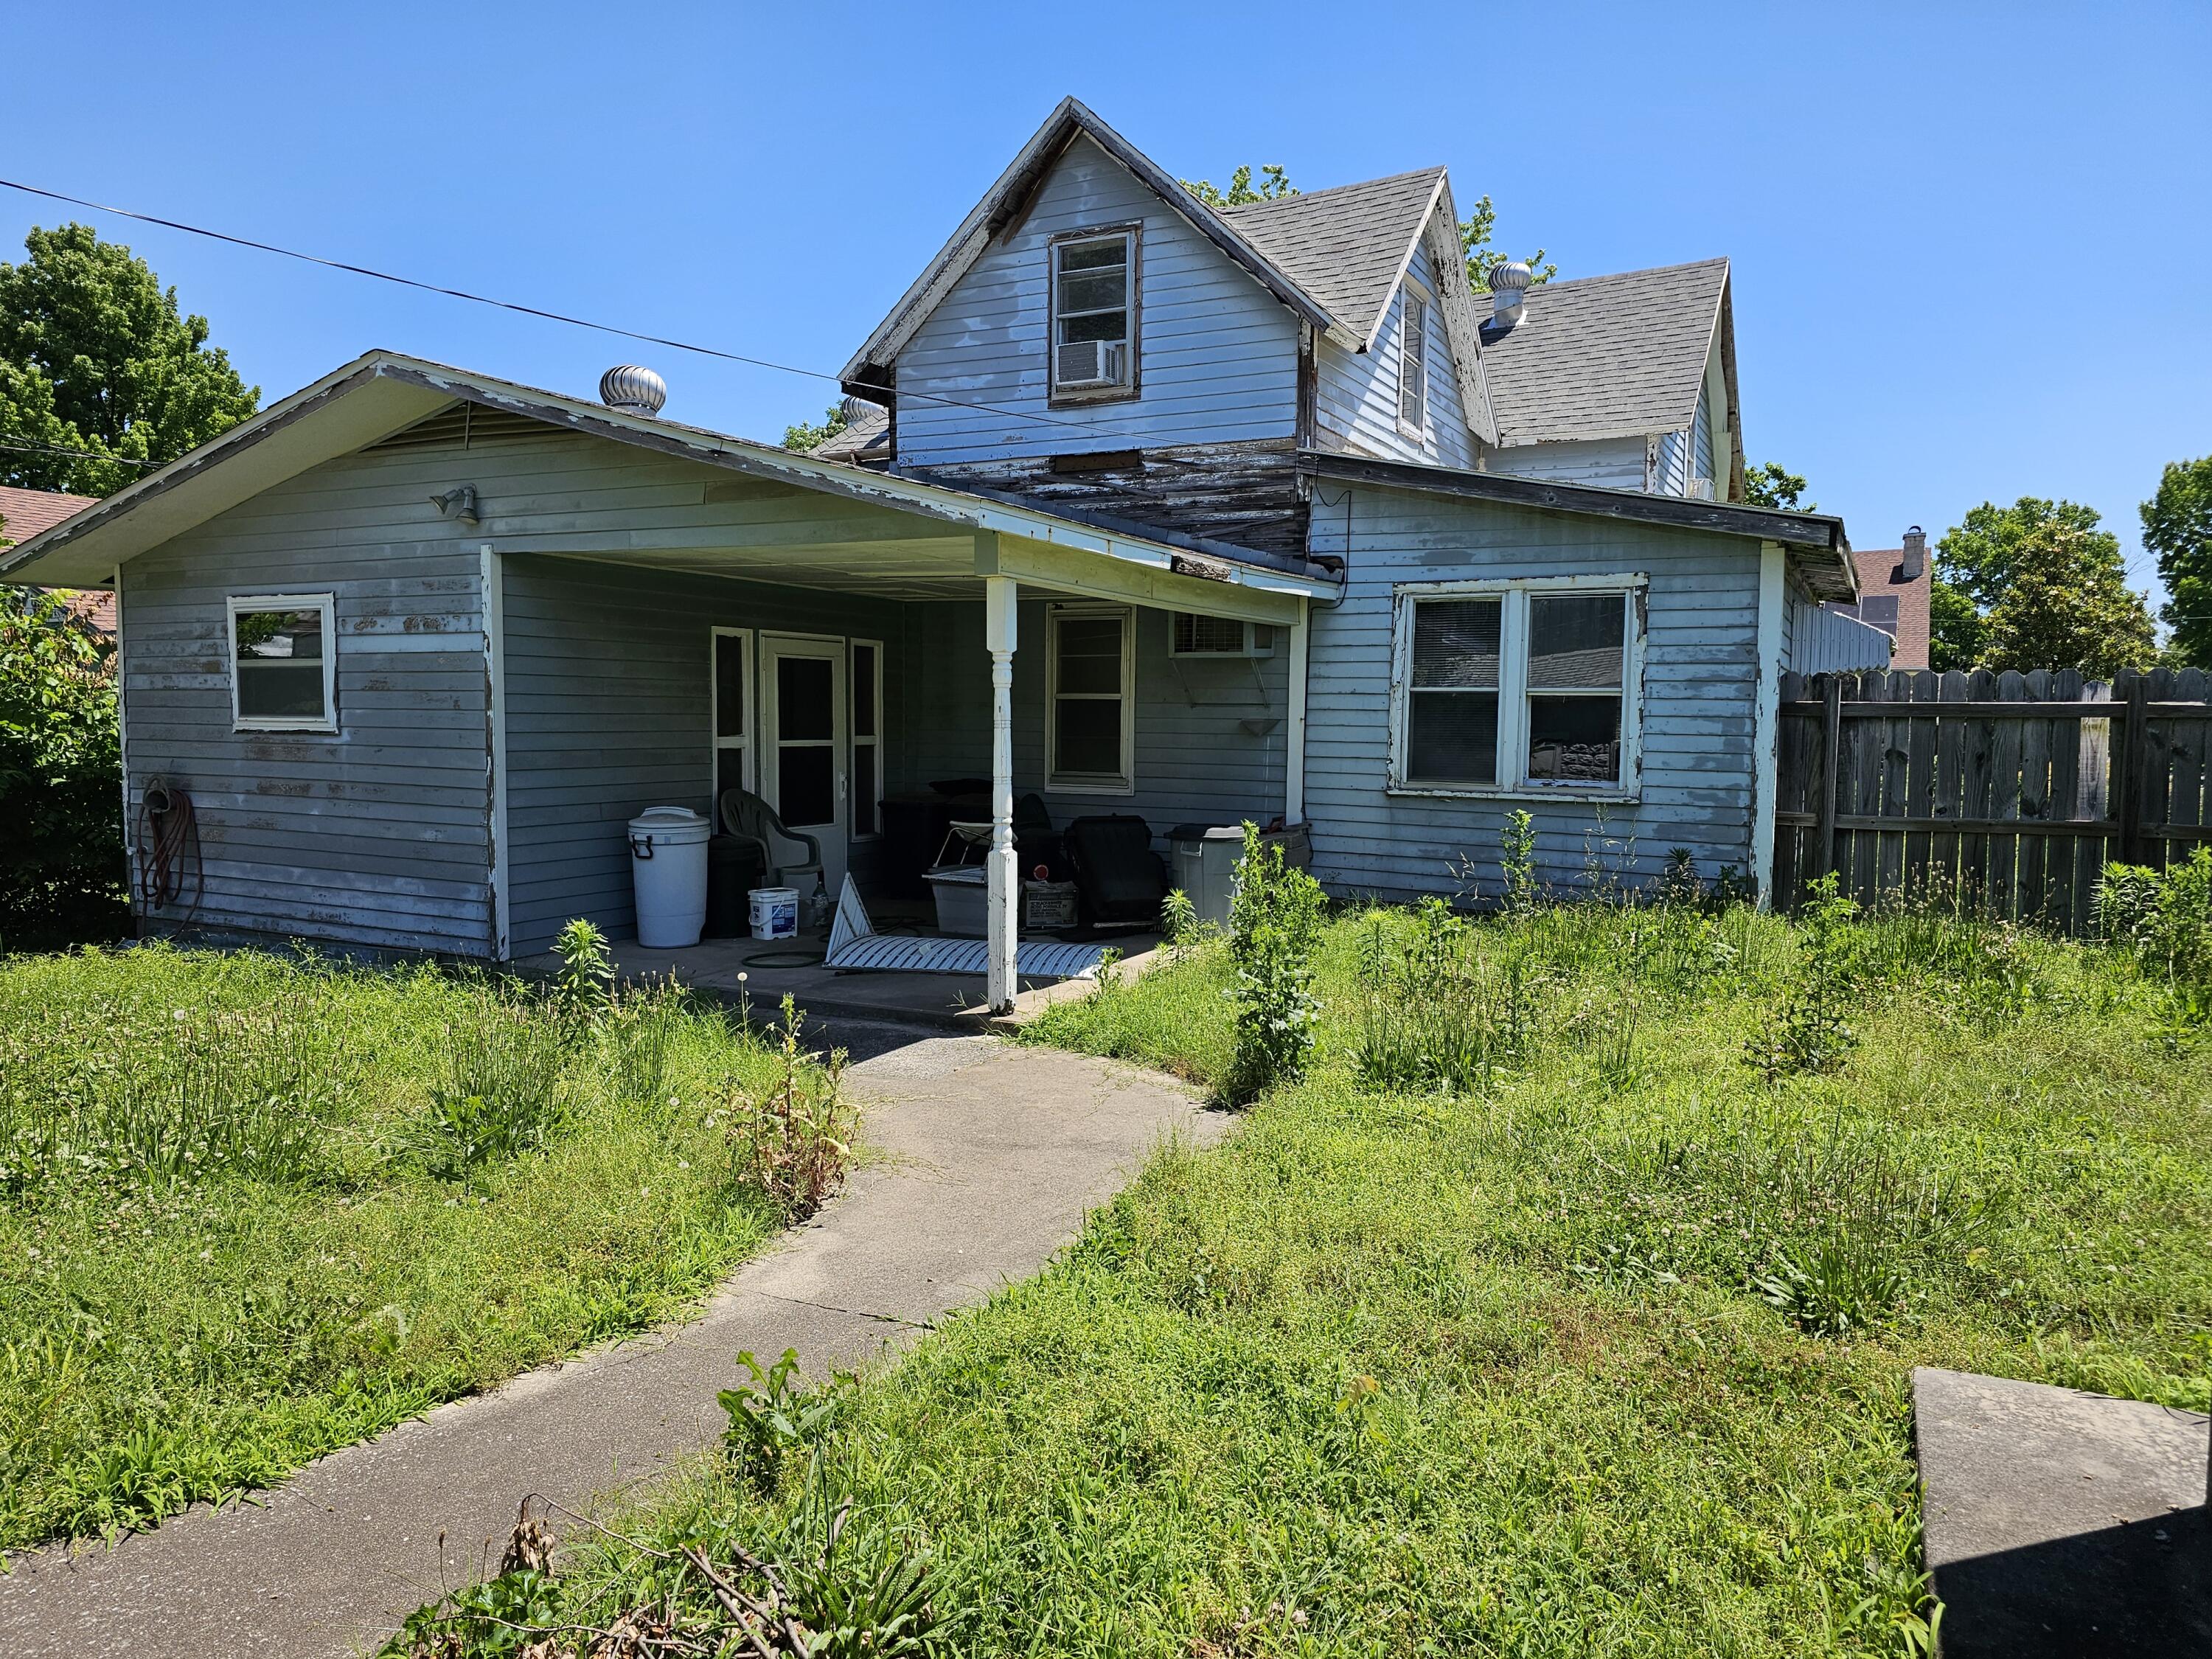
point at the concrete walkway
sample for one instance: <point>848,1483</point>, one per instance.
<point>987,1157</point>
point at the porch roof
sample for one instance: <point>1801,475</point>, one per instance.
<point>893,535</point>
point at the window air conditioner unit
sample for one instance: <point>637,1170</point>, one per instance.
<point>1217,636</point>
<point>1082,363</point>
<point>1701,489</point>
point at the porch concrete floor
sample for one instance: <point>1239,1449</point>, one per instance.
<point>981,1161</point>
<point>949,1002</point>
<point>2059,1523</point>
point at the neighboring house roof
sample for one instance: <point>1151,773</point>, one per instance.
<point>25,513</point>
<point>1881,576</point>
<point>867,442</point>
<point>385,392</point>
<point>1816,541</point>
<point>1612,356</point>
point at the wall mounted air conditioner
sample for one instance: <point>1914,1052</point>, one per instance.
<point>1217,636</point>
<point>1080,365</point>
<point>1701,489</point>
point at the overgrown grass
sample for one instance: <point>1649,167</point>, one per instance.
<point>1601,1344</point>
<point>253,1208</point>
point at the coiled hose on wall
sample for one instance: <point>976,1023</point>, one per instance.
<point>167,829</point>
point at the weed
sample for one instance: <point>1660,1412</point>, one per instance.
<point>1435,1013</point>
<point>500,1096</point>
<point>585,985</point>
<point>1809,1034</point>
<point>1274,928</point>
<point>774,1419</point>
<point>1517,858</point>
<point>793,1141</point>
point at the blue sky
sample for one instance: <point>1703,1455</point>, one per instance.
<point>1972,254</point>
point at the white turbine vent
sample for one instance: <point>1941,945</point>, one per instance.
<point>632,389</point>
<point>1509,285</point>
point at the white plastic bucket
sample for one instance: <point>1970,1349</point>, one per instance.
<point>772,912</point>
<point>668,873</point>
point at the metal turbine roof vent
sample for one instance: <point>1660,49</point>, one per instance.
<point>1509,284</point>
<point>632,389</point>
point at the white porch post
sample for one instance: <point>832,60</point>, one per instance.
<point>1004,914</point>
<point>1294,728</point>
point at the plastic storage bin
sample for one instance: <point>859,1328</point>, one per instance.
<point>963,904</point>
<point>1204,857</point>
<point>668,873</point>
<point>772,912</point>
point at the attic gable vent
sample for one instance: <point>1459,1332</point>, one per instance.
<point>466,426</point>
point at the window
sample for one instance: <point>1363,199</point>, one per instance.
<point>1517,686</point>
<point>733,673</point>
<point>1090,711</point>
<point>282,663</point>
<point>867,736</point>
<point>1879,611</point>
<point>1414,361</point>
<point>1094,314</point>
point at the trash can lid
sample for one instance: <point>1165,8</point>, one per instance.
<point>676,821</point>
<point>1206,832</point>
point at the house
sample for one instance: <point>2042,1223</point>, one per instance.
<point>1896,588</point>
<point>1160,510</point>
<point>25,513</point>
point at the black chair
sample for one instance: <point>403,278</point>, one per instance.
<point>1119,880</point>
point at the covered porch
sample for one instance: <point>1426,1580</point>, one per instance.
<point>871,670</point>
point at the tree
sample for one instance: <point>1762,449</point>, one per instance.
<point>95,356</point>
<point>2036,585</point>
<point>2177,525</point>
<point>1768,485</point>
<point>812,435</point>
<point>1476,231</point>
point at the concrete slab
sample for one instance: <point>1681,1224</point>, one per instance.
<point>983,1159</point>
<point>2060,1523</point>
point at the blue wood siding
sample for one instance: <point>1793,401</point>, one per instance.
<point>1356,398</point>
<point>376,835</point>
<point>1700,672</point>
<point>1194,760</point>
<point>1219,353</point>
<point>608,678</point>
<point>1613,463</point>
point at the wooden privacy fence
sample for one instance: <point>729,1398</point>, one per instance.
<point>2013,790</point>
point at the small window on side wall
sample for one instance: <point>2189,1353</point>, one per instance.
<point>1414,362</point>
<point>283,667</point>
<point>1094,314</point>
<point>1090,702</point>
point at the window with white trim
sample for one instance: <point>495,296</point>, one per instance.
<point>1090,699</point>
<point>867,683</point>
<point>1517,686</point>
<point>733,674</point>
<point>1094,314</point>
<point>1413,360</point>
<point>283,663</point>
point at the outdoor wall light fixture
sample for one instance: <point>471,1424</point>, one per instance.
<point>458,503</point>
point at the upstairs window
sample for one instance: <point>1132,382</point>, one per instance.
<point>1414,362</point>
<point>1521,687</point>
<point>1094,314</point>
<point>283,667</point>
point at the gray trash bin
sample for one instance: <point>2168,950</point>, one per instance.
<point>1204,859</point>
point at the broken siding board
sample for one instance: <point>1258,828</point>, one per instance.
<point>1696,790</point>
<point>1218,354</point>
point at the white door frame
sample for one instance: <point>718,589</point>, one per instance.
<point>832,648</point>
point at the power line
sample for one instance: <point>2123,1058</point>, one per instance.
<point>508,305</point>
<point>89,454</point>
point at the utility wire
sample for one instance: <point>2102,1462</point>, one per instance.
<point>89,454</point>
<point>505,305</point>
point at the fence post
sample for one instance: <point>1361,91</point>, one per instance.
<point>1831,737</point>
<point>2132,758</point>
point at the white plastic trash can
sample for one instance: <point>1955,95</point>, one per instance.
<point>668,870</point>
<point>772,912</point>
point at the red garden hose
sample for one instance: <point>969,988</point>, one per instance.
<point>167,827</point>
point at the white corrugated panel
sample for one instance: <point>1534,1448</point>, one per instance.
<point>1828,642</point>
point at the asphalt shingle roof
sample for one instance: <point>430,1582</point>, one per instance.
<point>1345,246</point>
<point>25,513</point>
<point>1605,356</point>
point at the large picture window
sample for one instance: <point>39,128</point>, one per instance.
<point>1090,701</point>
<point>283,667</point>
<point>1525,687</point>
<point>1094,314</point>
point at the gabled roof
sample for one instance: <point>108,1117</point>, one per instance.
<point>869,372</point>
<point>1606,356</point>
<point>25,513</point>
<point>385,392</point>
<point>868,438</point>
<point>1348,246</point>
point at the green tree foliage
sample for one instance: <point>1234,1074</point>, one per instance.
<point>1769,484</point>
<point>812,435</point>
<point>2177,525</point>
<point>95,356</point>
<point>1477,231</point>
<point>61,776</point>
<point>2036,585</point>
